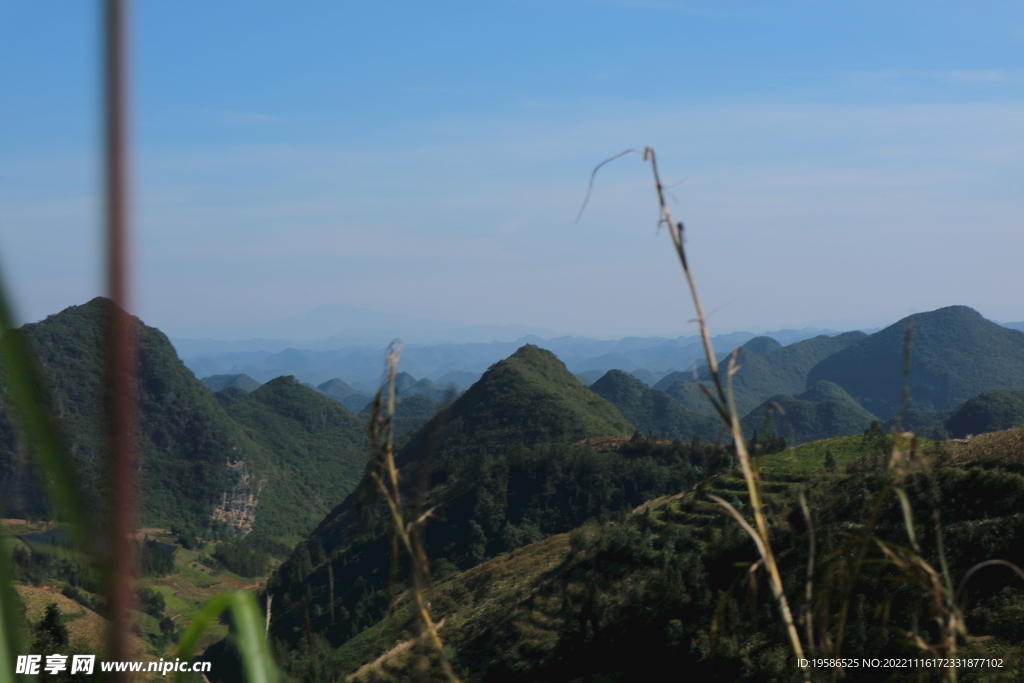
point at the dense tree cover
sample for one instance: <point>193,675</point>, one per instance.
<point>527,399</point>
<point>242,557</point>
<point>655,412</point>
<point>955,354</point>
<point>484,508</point>
<point>823,411</point>
<point>289,451</point>
<point>352,399</point>
<point>988,412</point>
<point>319,449</point>
<point>425,387</point>
<point>155,558</point>
<point>230,395</point>
<point>502,447</point>
<point>762,345</point>
<point>186,440</point>
<point>50,635</point>
<point>926,423</point>
<point>764,370</point>
<point>668,588</point>
<point>242,382</point>
<point>411,412</point>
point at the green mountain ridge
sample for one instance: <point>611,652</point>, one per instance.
<point>654,412</point>
<point>546,405</point>
<point>191,452</point>
<point>201,470</point>
<point>243,382</point>
<point>319,449</point>
<point>411,412</point>
<point>513,428</point>
<point>955,354</point>
<point>765,370</point>
<point>822,412</point>
<point>988,412</point>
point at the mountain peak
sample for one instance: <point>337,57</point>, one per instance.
<point>955,353</point>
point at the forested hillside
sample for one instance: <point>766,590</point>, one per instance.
<point>764,370</point>
<point>666,588</point>
<point>192,453</point>
<point>821,412</point>
<point>655,412</point>
<point>955,354</point>
<point>513,460</point>
<point>276,460</point>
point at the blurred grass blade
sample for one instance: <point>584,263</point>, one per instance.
<point>27,399</point>
<point>249,635</point>
<point>10,631</point>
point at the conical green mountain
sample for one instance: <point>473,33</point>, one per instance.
<point>762,346</point>
<point>988,412</point>
<point>655,412</point>
<point>217,382</point>
<point>955,354</point>
<point>823,411</point>
<point>341,392</point>
<point>193,457</point>
<point>412,412</point>
<point>280,460</point>
<point>526,400</point>
<point>765,370</point>
<point>504,442</point>
<point>318,451</point>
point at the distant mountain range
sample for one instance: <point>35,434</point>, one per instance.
<point>360,366</point>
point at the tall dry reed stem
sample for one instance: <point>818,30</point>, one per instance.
<point>724,404</point>
<point>905,458</point>
<point>405,536</point>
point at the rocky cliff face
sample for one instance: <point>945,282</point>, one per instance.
<point>237,507</point>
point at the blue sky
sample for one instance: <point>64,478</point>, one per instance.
<point>837,164</point>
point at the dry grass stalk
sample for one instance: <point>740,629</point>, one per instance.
<point>406,536</point>
<point>905,459</point>
<point>725,406</point>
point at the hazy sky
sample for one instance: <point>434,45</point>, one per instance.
<point>836,163</point>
